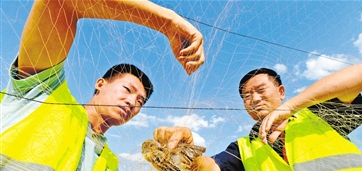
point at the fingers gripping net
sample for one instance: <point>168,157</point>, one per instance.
<point>302,41</point>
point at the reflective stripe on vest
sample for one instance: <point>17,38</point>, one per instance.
<point>337,162</point>
<point>106,161</point>
<point>50,138</point>
<point>9,164</point>
<point>310,143</point>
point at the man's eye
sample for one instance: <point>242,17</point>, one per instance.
<point>140,103</point>
<point>129,90</point>
<point>261,90</point>
<point>247,95</point>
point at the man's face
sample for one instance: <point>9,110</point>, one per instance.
<point>125,93</point>
<point>261,96</point>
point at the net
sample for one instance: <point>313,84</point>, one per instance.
<point>302,40</point>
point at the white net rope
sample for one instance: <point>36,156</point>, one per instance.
<point>302,40</point>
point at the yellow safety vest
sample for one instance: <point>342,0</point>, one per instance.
<point>51,137</point>
<point>310,143</point>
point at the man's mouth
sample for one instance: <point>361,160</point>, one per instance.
<point>258,107</point>
<point>107,123</point>
<point>125,114</point>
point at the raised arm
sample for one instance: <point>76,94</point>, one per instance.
<point>344,84</point>
<point>51,26</point>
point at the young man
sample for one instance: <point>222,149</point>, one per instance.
<point>42,126</point>
<point>308,132</point>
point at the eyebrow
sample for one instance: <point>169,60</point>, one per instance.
<point>261,85</point>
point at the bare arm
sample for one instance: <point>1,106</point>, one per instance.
<point>51,26</point>
<point>345,85</point>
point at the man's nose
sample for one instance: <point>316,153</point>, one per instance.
<point>131,100</point>
<point>256,97</point>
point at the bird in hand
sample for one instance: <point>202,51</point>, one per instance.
<point>163,158</point>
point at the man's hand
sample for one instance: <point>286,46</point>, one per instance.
<point>171,136</point>
<point>187,44</point>
<point>163,158</point>
<point>275,122</point>
<point>175,137</point>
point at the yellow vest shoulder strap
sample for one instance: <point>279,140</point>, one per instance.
<point>106,161</point>
<point>2,94</point>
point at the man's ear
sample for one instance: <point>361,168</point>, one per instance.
<point>281,90</point>
<point>99,84</point>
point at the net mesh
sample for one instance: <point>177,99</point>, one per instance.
<point>302,40</point>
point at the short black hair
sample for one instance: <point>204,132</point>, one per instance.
<point>271,73</point>
<point>130,69</point>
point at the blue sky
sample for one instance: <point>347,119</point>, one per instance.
<point>239,36</point>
